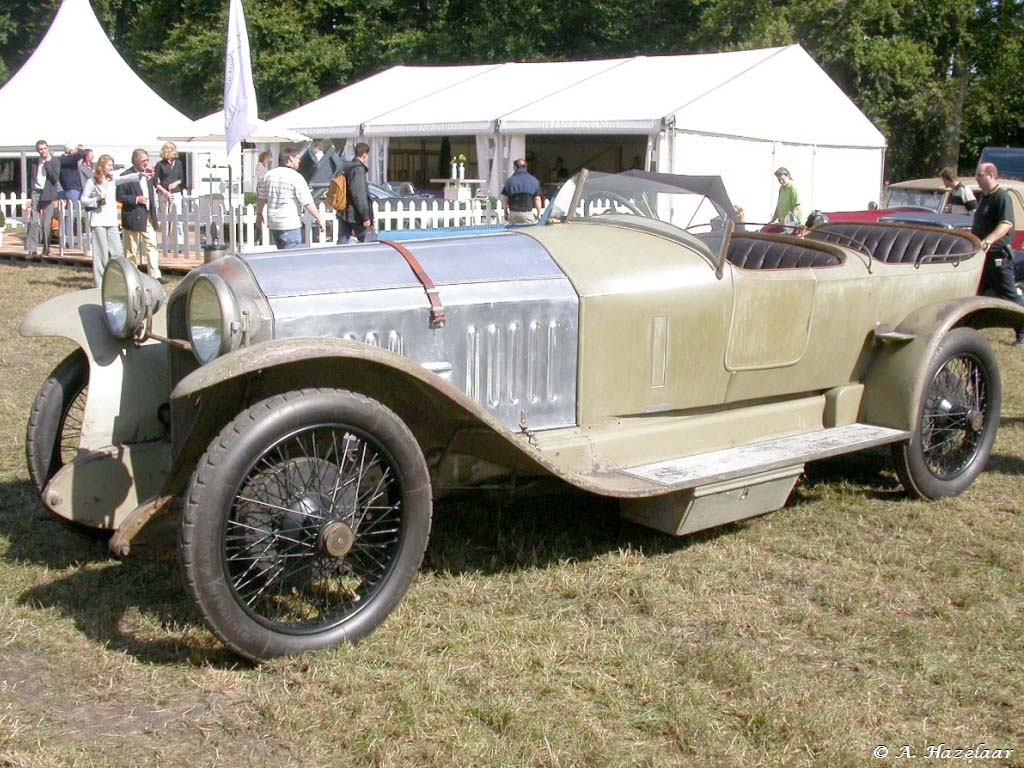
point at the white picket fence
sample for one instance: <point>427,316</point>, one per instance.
<point>201,223</point>
<point>74,223</point>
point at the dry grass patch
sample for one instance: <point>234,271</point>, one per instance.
<point>542,633</point>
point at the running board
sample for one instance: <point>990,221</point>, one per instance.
<point>720,487</point>
<point>756,458</point>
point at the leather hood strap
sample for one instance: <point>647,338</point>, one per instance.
<point>437,311</point>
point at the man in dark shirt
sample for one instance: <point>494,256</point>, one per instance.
<point>45,190</point>
<point>521,195</point>
<point>311,158</point>
<point>357,218</point>
<point>70,178</point>
<point>993,222</point>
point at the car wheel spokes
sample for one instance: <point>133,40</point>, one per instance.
<point>71,427</point>
<point>314,528</point>
<point>954,416</point>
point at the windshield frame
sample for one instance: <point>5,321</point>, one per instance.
<point>641,189</point>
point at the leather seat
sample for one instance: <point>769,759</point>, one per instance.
<point>895,244</point>
<point>750,253</point>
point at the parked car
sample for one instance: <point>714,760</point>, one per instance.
<point>305,408</point>
<point>407,190</point>
<point>1009,160</point>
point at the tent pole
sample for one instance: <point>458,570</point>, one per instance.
<point>231,212</point>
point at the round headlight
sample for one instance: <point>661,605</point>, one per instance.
<point>213,318</point>
<point>122,297</point>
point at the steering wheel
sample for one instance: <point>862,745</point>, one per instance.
<point>629,205</point>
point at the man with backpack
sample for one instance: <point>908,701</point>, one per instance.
<point>349,195</point>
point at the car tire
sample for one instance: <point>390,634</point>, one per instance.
<point>54,430</point>
<point>305,523</point>
<point>55,421</point>
<point>961,403</point>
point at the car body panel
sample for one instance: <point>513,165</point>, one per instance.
<point>632,320</point>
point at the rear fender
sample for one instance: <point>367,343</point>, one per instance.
<point>438,414</point>
<point>895,380</point>
<point>128,384</point>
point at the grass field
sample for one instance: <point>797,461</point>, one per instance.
<point>542,632</point>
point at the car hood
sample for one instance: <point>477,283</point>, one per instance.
<point>500,257</point>
<point>510,338</point>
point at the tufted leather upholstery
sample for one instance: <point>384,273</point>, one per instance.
<point>895,244</point>
<point>751,253</point>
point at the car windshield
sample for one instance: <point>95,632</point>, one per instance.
<point>898,197</point>
<point>691,209</point>
<point>380,193</point>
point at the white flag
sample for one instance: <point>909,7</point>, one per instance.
<point>240,108</point>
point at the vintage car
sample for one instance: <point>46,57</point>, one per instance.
<point>293,415</point>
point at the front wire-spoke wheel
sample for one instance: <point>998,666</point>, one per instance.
<point>55,423</point>
<point>305,523</point>
<point>957,421</point>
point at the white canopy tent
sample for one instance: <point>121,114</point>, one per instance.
<point>210,129</point>
<point>133,116</point>
<point>737,114</point>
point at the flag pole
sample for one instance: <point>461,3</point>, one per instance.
<point>240,108</point>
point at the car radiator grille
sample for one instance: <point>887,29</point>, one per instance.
<point>183,362</point>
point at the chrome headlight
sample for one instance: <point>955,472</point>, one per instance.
<point>127,296</point>
<point>214,322</point>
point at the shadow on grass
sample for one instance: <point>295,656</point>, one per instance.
<point>1005,464</point>
<point>123,604</point>
<point>487,533</point>
<point>870,472</point>
<point>100,593</point>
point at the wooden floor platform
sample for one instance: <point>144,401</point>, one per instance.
<point>13,249</point>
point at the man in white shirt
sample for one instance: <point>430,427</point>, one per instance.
<point>283,194</point>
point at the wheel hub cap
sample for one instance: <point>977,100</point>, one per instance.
<point>336,539</point>
<point>976,420</point>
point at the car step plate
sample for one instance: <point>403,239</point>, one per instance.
<point>704,468</point>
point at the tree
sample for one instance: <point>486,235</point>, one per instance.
<point>939,79</point>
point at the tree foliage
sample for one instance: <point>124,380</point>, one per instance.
<point>940,79</point>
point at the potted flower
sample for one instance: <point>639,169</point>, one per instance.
<point>461,160</point>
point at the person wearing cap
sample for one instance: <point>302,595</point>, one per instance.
<point>787,209</point>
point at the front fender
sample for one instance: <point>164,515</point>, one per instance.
<point>442,417</point>
<point>895,380</point>
<point>128,383</point>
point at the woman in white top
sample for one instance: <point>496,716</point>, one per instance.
<point>98,198</point>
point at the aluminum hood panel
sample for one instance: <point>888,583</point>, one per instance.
<point>501,257</point>
<point>512,333</point>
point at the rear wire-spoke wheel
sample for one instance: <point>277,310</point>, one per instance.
<point>957,420</point>
<point>305,523</point>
